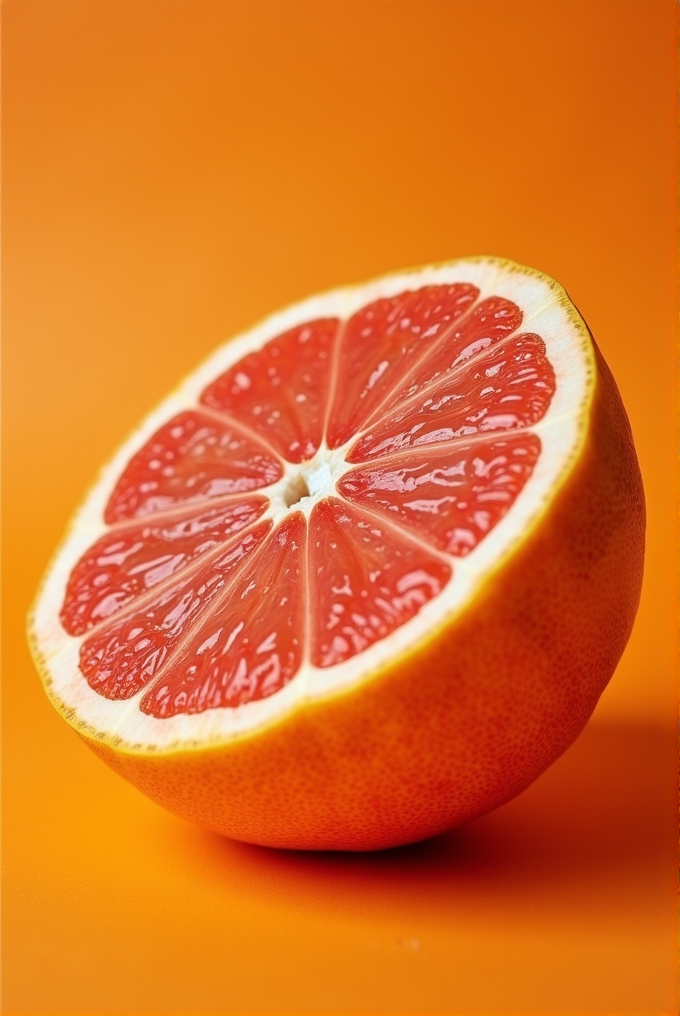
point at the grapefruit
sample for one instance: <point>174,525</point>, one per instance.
<point>364,575</point>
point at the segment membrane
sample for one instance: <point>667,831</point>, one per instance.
<point>381,342</point>
<point>128,562</point>
<point>450,496</point>
<point>251,645</point>
<point>365,581</point>
<point>508,386</point>
<point>282,390</point>
<point>191,458</point>
<point>126,654</point>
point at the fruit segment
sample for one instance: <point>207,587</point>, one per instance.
<point>381,342</point>
<point>488,323</point>
<point>126,654</point>
<point>508,386</point>
<point>129,562</point>
<point>451,496</point>
<point>365,580</point>
<point>191,458</point>
<point>282,390</point>
<point>251,644</point>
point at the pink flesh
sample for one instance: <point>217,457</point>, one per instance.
<point>125,654</point>
<point>488,322</point>
<point>367,579</point>
<point>282,391</point>
<point>207,607</point>
<point>452,495</point>
<point>381,343</point>
<point>127,562</point>
<point>507,387</point>
<point>192,458</point>
<point>250,645</point>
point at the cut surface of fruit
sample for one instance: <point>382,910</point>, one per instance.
<point>321,510</point>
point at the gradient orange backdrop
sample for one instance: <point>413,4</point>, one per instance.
<point>172,172</point>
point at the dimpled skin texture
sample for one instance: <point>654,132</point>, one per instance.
<point>471,716</point>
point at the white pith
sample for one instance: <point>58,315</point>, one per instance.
<point>546,311</point>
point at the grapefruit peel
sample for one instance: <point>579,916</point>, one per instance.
<point>456,710</point>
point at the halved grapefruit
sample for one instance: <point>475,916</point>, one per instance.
<point>365,574</point>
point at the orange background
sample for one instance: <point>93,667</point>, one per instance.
<point>172,172</point>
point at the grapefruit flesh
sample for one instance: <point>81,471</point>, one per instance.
<point>365,574</point>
